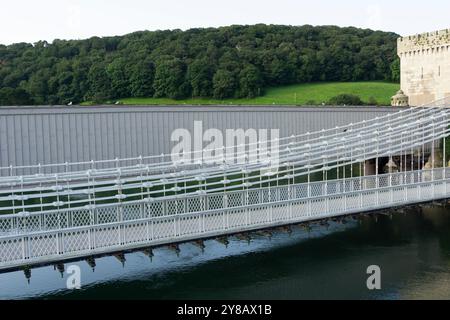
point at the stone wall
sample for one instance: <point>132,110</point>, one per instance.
<point>425,66</point>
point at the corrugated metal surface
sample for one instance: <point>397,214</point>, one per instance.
<point>58,134</point>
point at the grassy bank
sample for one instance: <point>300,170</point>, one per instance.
<point>300,94</point>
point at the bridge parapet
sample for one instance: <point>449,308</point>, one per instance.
<point>134,226</point>
<point>72,213</point>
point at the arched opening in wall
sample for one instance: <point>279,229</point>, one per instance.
<point>421,74</point>
<point>439,71</point>
<point>382,163</point>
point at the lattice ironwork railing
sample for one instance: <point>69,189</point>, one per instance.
<point>132,226</point>
<point>123,212</point>
<point>30,193</point>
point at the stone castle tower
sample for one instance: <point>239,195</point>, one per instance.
<point>425,67</point>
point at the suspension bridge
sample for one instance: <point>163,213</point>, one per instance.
<point>54,213</point>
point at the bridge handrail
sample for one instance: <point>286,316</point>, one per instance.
<point>324,150</point>
<point>278,178</point>
<point>145,168</point>
<point>362,182</point>
<point>234,208</point>
<point>140,159</point>
<point>62,244</point>
<point>188,178</point>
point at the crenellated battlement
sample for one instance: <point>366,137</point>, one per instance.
<point>425,43</point>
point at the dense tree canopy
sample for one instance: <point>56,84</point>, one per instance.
<point>235,61</point>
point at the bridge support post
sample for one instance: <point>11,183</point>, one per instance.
<point>200,244</point>
<point>175,248</point>
<point>60,268</point>
<point>91,263</point>
<point>224,241</point>
<point>244,237</point>
<point>27,273</point>
<point>121,257</point>
<point>149,253</point>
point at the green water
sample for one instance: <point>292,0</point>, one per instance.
<point>412,250</point>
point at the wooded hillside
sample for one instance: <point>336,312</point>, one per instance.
<point>235,61</point>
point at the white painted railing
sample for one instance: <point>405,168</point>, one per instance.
<point>69,234</point>
<point>118,205</point>
<point>407,115</point>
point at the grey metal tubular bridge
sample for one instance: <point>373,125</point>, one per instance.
<point>58,212</point>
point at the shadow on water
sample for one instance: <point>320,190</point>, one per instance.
<point>413,251</point>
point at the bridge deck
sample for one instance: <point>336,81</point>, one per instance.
<point>120,205</point>
<point>59,236</point>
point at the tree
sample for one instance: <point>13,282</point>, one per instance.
<point>170,79</point>
<point>14,97</point>
<point>224,84</point>
<point>80,82</point>
<point>37,86</point>
<point>281,72</point>
<point>141,79</point>
<point>346,100</point>
<point>222,62</point>
<point>117,73</point>
<point>65,90</point>
<point>200,74</point>
<point>99,83</point>
<point>250,81</point>
<point>395,70</point>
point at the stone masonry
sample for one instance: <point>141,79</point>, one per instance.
<point>425,66</point>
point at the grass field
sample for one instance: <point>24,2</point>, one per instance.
<point>300,94</point>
